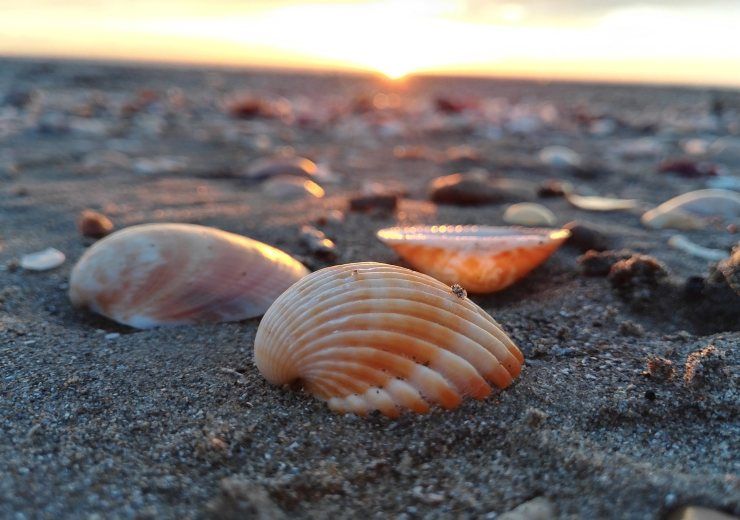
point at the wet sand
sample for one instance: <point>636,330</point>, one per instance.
<point>99,420</point>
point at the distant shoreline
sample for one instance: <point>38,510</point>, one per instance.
<point>308,71</point>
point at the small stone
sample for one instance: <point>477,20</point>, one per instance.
<point>93,224</point>
<point>539,508</point>
<point>476,188</point>
<point>534,417</point>
<point>458,291</point>
<point>112,335</point>
<point>45,260</point>
<point>630,328</point>
<point>688,168</point>
<point>553,188</point>
<point>463,189</point>
<point>586,237</point>
<point>374,202</point>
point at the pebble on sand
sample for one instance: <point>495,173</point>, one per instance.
<point>585,236</point>
<point>93,224</point>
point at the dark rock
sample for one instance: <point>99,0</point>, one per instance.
<point>713,303</point>
<point>630,328</point>
<point>595,263</point>
<point>249,107</point>
<point>693,287</point>
<point>688,168</point>
<point>374,202</point>
<point>586,237</point>
<point>19,98</point>
<point>450,106</point>
<point>475,188</point>
<point>552,188</point>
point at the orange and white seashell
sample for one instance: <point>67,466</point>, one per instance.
<point>481,259</point>
<point>370,336</point>
<point>174,274</point>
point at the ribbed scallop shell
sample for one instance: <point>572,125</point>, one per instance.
<point>481,259</point>
<point>369,336</point>
<point>174,274</point>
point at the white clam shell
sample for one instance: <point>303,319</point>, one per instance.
<point>595,203</point>
<point>370,336</point>
<point>529,214</point>
<point>173,274</point>
<point>45,260</point>
<point>693,209</point>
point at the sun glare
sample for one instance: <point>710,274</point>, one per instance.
<point>392,37</point>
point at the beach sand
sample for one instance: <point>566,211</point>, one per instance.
<point>98,420</point>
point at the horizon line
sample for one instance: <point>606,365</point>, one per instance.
<point>358,71</point>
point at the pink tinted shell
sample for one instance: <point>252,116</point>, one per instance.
<point>370,336</point>
<point>175,274</point>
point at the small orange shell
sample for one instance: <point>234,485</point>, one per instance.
<point>370,336</point>
<point>174,274</point>
<point>481,259</point>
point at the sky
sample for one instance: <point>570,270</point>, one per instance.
<point>664,41</point>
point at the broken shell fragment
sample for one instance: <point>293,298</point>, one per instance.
<point>594,203</point>
<point>45,260</point>
<point>693,210</point>
<point>175,274</point>
<point>370,336</point>
<point>481,259</point>
<point>529,214</point>
<point>292,187</point>
<point>273,167</point>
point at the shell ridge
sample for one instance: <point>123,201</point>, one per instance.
<point>395,322</point>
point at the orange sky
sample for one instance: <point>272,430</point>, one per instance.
<point>678,41</point>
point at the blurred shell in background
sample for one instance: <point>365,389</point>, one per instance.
<point>481,259</point>
<point>175,274</point>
